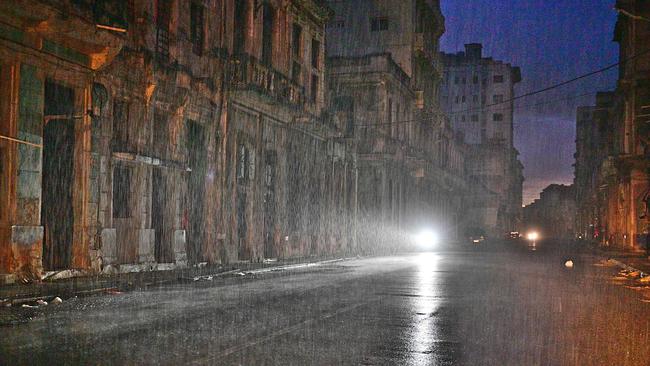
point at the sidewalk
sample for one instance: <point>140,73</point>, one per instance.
<point>633,261</point>
<point>15,294</point>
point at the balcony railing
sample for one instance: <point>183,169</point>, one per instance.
<point>248,73</point>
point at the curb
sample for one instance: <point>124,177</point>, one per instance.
<point>108,285</point>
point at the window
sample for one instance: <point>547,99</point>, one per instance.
<point>163,20</point>
<point>390,196</point>
<point>240,26</point>
<point>474,117</point>
<point>315,53</point>
<point>196,28</point>
<point>337,24</point>
<point>268,25</point>
<point>120,125</point>
<point>378,24</point>
<point>497,98</point>
<point>121,190</point>
<point>295,71</point>
<point>112,13</point>
<point>498,78</point>
<point>475,98</point>
<point>462,118</point>
<point>3,183</point>
<point>160,134</point>
<point>483,99</point>
<point>296,38</point>
<point>463,99</point>
<point>245,163</point>
<point>344,109</point>
<point>456,80</point>
<point>314,88</point>
<point>464,80</point>
<point>497,117</point>
<point>397,118</point>
<point>457,99</point>
<point>475,79</point>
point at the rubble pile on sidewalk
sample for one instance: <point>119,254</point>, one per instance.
<point>629,277</point>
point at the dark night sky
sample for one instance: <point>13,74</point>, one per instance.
<point>551,41</point>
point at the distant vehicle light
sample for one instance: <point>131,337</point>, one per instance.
<point>533,235</point>
<point>426,239</point>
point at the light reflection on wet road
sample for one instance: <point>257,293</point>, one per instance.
<point>479,305</point>
<point>425,304</point>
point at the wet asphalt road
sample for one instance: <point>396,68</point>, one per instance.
<point>487,305</point>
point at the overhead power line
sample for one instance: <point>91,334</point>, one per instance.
<point>526,95</point>
<point>544,102</point>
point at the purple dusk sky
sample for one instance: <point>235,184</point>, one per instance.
<point>551,41</point>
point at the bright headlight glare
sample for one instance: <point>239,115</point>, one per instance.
<point>426,239</point>
<point>533,235</point>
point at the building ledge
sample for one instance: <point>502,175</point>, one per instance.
<point>57,30</point>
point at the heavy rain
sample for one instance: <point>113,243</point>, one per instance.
<point>324,182</point>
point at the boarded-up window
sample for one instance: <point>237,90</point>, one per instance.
<point>121,192</point>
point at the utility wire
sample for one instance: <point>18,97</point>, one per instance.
<point>529,94</point>
<point>546,102</point>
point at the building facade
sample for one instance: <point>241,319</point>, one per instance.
<point>594,132</point>
<point>614,203</point>
<point>383,70</point>
<point>551,214</point>
<point>155,135</point>
<point>476,94</point>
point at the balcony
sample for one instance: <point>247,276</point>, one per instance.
<point>249,74</point>
<point>81,32</point>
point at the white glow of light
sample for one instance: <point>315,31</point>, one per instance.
<point>426,239</point>
<point>533,235</point>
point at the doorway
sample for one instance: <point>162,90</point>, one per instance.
<point>58,176</point>
<point>162,247</point>
<point>269,204</point>
<point>268,22</point>
<point>196,190</point>
<point>241,26</point>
